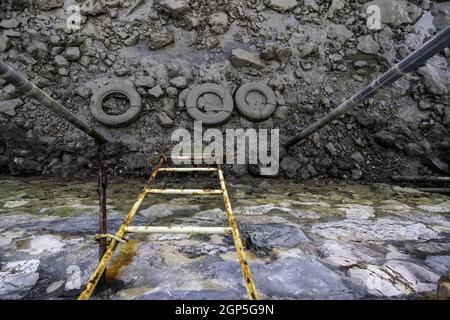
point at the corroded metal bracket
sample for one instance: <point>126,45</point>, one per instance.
<point>109,237</point>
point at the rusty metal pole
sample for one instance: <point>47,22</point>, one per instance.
<point>29,89</point>
<point>245,269</point>
<point>100,269</point>
<point>409,64</point>
<point>431,179</point>
<point>102,183</point>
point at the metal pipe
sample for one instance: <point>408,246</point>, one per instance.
<point>420,179</point>
<point>187,170</point>
<point>29,89</point>
<point>438,43</point>
<point>103,226</point>
<point>179,230</point>
<point>184,191</point>
<point>435,190</point>
<point>110,236</point>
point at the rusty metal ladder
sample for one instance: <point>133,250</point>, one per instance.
<point>126,228</point>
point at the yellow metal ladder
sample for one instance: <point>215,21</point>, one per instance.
<point>126,228</point>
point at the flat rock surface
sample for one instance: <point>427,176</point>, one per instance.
<point>307,241</point>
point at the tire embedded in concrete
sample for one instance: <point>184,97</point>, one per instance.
<point>255,101</point>
<point>118,120</point>
<point>209,103</point>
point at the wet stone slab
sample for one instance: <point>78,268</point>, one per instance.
<point>311,241</point>
<point>375,230</point>
<point>286,279</point>
<point>268,236</point>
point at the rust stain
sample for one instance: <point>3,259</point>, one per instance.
<point>23,244</point>
<point>96,274</point>
<point>125,257</point>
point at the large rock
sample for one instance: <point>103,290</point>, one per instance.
<point>286,278</point>
<point>315,76</point>
<point>179,82</point>
<point>164,120</point>
<point>17,277</point>
<point>339,32</point>
<point>156,92</point>
<point>60,61</point>
<point>290,166</point>
<point>335,6</point>
<point>374,230</point>
<point>338,253</point>
<point>92,8</point>
<point>441,14</point>
<point>145,81</point>
<point>242,58</point>
<point>218,22</point>
<point>5,43</point>
<point>173,7</point>
<point>396,12</point>
<point>436,76</point>
<point>9,107</point>
<point>282,5</point>
<point>9,23</point>
<point>259,210</point>
<point>357,211</point>
<point>47,5</point>
<point>38,49</point>
<point>73,53</point>
<point>267,236</point>
<point>385,138</point>
<point>161,39</point>
<point>395,278</point>
<point>281,279</point>
<point>366,44</point>
<point>439,263</point>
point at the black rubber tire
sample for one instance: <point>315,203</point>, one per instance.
<point>119,120</point>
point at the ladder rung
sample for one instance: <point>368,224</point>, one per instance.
<point>192,157</point>
<point>184,191</point>
<point>179,229</point>
<point>187,169</point>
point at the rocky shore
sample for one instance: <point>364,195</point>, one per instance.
<point>311,53</point>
